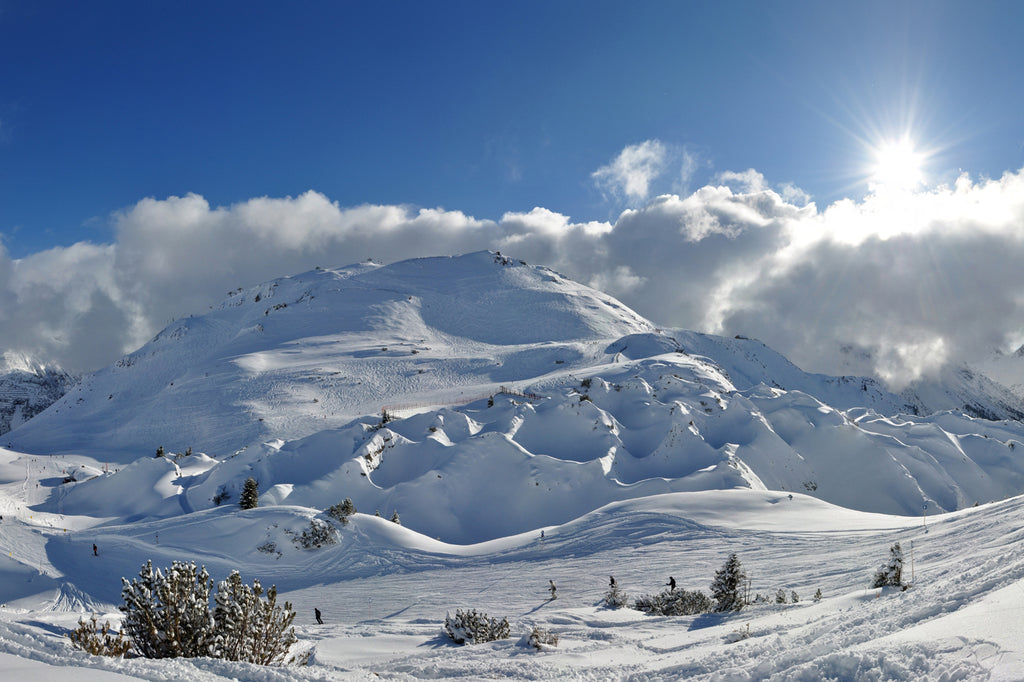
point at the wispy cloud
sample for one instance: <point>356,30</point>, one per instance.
<point>631,172</point>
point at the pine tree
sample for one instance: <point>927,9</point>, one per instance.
<point>780,596</point>
<point>168,616</point>
<point>891,574</point>
<point>727,584</point>
<point>250,497</point>
<point>817,595</point>
<point>395,519</point>
<point>248,628</point>
<point>342,510</point>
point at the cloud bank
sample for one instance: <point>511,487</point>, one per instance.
<point>896,284</point>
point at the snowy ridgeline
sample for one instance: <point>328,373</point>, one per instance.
<point>278,383</point>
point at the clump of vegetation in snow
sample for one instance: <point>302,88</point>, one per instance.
<point>98,640</point>
<point>318,534</point>
<point>541,639</point>
<point>727,584</point>
<point>471,627</point>
<point>250,497</point>
<point>674,603</point>
<point>342,510</point>
<point>168,615</point>
<point>615,598</point>
<point>891,573</point>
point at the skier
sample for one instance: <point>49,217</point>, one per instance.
<point>552,588</point>
<point>611,581</point>
<point>94,553</point>
<point>671,583</point>
<point>318,619</point>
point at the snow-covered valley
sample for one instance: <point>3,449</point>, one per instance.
<point>527,428</point>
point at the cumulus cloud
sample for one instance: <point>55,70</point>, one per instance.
<point>895,284</point>
<point>631,172</point>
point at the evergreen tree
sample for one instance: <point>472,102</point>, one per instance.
<point>727,585</point>
<point>250,498</point>
<point>891,574</point>
<point>168,616</point>
<point>342,510</point>
<point>395,519</point>
<point>817,595</point>
<point>248,628</point>
<point>780,596</point>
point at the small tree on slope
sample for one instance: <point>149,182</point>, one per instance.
<point>891,573</point>
<point>250,498</point>
<point>726,589</point>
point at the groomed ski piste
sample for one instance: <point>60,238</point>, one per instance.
<point>541,432</point>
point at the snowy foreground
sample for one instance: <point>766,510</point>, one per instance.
<point>384,591</point>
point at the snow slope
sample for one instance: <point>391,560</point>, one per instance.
<point>286,383</point>
<point>538,430</point>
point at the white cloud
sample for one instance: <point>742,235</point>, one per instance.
<point>632,171</point>
<point>910,281</point>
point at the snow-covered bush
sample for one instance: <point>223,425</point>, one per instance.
<point>794,597</point>
<point>540,638</point>
<point>817,595</point>
<point>891,573</point>
<point>250,498</point>
<point>342,510</point>
<point>168,616</point>
<point>98,641</point>
<point>249,628</point>
<point>318,534</point>
<point>395,518</point>
<point>470,627</point>
<point>727,585</point>
<point>673,603</point>
<point>615,598</point>
<point>780,596</point>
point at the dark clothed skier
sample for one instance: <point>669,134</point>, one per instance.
<point>94,552</point>
<point>671,583</point>
<point>317,613</point>
<point>552,588</point>
<point>611,581</point>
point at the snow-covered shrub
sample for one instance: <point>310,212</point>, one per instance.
<point>540,638</point>
<point>817,595</point>
<point>738,635</point>
<point>891,573</point>
<point>268,547</point>
<point>615,598</point>
<point>470,627</point>
<point>342,511</point>
<point>780,596</point>
<point>221,495</point>
<point>794,597</point>
<point>674,603</point>
<point>249,628</point>
<point>318,534</point>
<point>98,641</point>
<point>395,518</point>
<point>250,497</point>
<point>727,585</point>
<point>168,616</point>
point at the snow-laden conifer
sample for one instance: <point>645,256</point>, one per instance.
<point>891,573</point>
<point>728,584</point>
<point>250,498</point>
<point>168,616</point>
<point>249,628</point>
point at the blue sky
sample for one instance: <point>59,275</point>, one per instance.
<point>477,106</point>
<point>716,165</point>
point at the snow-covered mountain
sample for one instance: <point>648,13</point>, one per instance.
<point>27,387</point>
<point>526,428</point>
<point>492,368</point>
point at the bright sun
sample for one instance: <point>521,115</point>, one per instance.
<point>898,165</point>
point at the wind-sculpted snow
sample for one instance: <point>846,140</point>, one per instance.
<point>521,400</point>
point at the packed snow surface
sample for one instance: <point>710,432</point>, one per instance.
<point>526,428</point>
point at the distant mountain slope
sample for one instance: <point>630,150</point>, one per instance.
<point>511,389</point>
<point>27,388</point>
<point>301,354</point>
